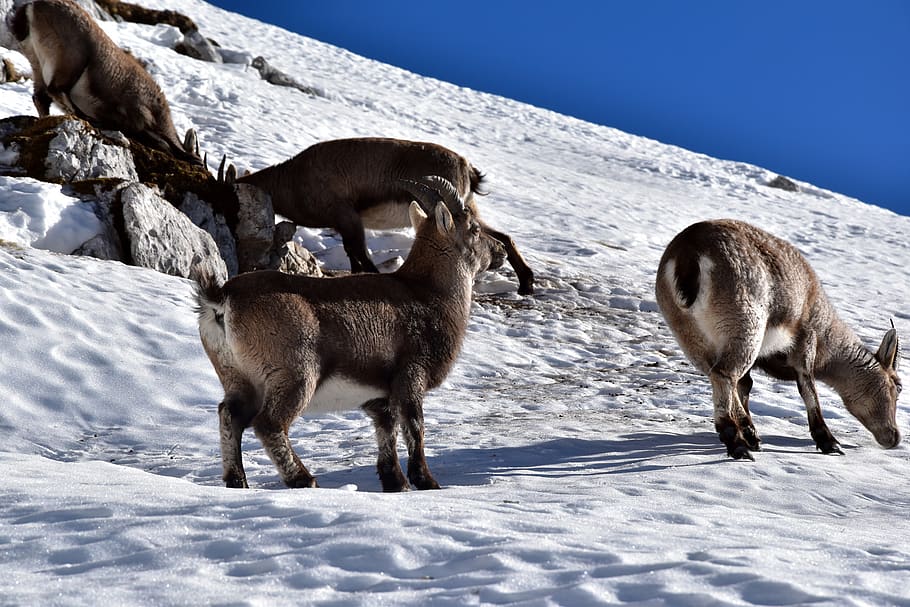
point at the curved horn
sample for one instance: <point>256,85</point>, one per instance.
<point>426,195</point>
<point>446,191</point>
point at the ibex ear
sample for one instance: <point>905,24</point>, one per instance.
<point>416,214</point>
<point>444,221</point>
<point>887,355</point>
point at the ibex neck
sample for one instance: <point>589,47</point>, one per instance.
<point>842,360</point>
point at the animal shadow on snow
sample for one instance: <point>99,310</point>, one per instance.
<point>555,458</point>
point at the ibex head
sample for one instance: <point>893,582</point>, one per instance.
<point>437,197</point>
<point>874,401</point>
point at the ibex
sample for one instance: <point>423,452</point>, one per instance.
<point>738,298</point>
<point>352,184</point>
<point>284,344</point>
<point>75,64</point>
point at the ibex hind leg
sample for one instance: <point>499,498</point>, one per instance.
<point>387,465</point>
<point>727,412</point>
<point>283,402</point>
<point>235,413</point>
<point>746,426</point>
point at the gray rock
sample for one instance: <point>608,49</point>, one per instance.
<point>255,227</point>
<point>202,216</point>
<point>197,46</point>
<point>79,152</point>
<point>164,239</point>
<point>295,259</point>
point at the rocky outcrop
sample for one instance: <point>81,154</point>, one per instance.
<point>164,239</point>
<point>155,211</point>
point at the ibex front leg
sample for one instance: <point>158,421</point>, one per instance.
<point>407,400</point>
<point>805,382</point>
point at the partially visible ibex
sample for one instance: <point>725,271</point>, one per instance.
<point>75,64</point>
<point>352,184</point>
<point>736,298</point>
<point>282,344</point>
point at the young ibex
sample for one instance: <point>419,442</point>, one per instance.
<point>75,64</point>
<point>737,298</point>
<point>283,344</point>
<point>352,184</point>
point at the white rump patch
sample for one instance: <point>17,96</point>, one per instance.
<point>777,339</point>
<point>339,393</point>
<point>386,216</point>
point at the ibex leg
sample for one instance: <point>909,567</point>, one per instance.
<point>387,465</point>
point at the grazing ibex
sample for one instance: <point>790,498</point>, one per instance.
<point>352,184</point>
<point>736,298</point>
<point>75,64</point>
<point>284,344</point>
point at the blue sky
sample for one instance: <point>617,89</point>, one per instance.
<point>818,90</point>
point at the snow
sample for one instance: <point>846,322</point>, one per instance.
<point>573,440</point>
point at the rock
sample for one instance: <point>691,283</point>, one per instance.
<point>164,239</point>
<point>295,259</point>
<point>255,227</point>
<point>107,244</point>
<point>202,216</point>
<point>197,46</point>
<point>78,152</point>
<point>783,183</point>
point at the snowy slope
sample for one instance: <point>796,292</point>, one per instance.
<point>574,441</point>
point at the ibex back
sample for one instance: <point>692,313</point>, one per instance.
<point>737,298</point>
<point>284,344</point>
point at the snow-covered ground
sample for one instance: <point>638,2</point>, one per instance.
<point>574,441</point>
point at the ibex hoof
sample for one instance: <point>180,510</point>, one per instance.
<point>236,482</point>
<point>741,452</point>
<point>303,482</point>
<point>831,447</point>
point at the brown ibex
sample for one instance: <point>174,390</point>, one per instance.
<point>75,64</point>
<point>352,184</point>
<point>738,298</point>
<point>282,345</point>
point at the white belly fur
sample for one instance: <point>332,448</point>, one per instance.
<point>338,393</point>
<point>777,339</point>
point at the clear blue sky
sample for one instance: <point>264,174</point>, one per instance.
<point>818,90</point>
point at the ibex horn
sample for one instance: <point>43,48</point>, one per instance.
<point>426,196</point>
<point>446,190</point>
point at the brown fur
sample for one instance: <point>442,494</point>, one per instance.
<point>275,339</point>
<point>339,183</point>
<point>78,67</point>
<point>738,298</point>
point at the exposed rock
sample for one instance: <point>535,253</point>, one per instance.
<point>134,13</point>
<point>108,244</point>
<point>78,153</point>
<point>201,214</point>
<point>197,46</point>
<point>190,219</point>
<point>274,76</point>
<point>255,227</point>
<point>164,239</point>
<point>295,259</point>
<point>783,183</point>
